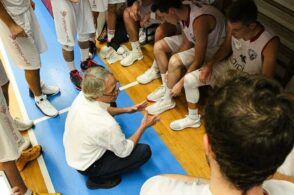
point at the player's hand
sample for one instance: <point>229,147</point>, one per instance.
<point>176,90</point>
<point>205,74</point>
<point>145,20</point>
<point>17,31</point>
<point>135,12</point>
<point>148,121</point>
<point>138,107</point>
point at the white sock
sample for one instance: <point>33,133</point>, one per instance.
<point>136,46</point>
<point>163,79</point>
<point>71,65</point>
<point>28,192</point>
<point>154,66</point>
<point>84,54</point>
<point>110,34</point>
<point>166,95</point>
<point>193,113</point>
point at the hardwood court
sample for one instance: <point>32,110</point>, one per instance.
<point>186,145</point>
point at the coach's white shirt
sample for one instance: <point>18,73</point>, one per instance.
<point>160,185</point>
<point>89,131</point>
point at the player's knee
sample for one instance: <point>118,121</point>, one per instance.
<point>175,62</point>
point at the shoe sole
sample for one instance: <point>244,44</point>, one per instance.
<point>191,126</point>
<point>171,107</point>
<point>154,100</point>
<point>51,94</point>
<point>47,114</point>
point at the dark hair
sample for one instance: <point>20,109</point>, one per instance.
<point>250,125</point>
<point>244,11</point>
<point>164,5</point>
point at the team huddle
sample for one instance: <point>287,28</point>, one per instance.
<point>249,120</point>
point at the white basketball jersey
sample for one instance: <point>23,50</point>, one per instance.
<point>197,9</point>
<point>247,55</point>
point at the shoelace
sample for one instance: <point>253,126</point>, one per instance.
<point>158,89</point>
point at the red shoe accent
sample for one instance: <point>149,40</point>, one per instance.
<point>88,64</point>
<point>76,78</point>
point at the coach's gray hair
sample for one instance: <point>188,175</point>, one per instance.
<point>93,83</point>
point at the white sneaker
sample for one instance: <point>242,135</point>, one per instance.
<point>157,94</point>
<point>161,106</point>
<point>23,125</point>
<point>105,51</point>
<point>46,107</point>
<point>26,143</point>
<point>46,90</point>
<point>142,36</point>
<point>131,58</point>
<point>148,76</point>
<point>49,90</point>
<point>185,123</point>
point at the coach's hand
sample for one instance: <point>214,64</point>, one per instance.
<point>148,121</point>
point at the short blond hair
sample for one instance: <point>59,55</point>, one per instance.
<point>93,84</point>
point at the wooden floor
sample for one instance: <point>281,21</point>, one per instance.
<point>186,145</point>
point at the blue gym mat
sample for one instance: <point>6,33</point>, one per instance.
<point>49,133</point>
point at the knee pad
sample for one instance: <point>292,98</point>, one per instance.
<point>67,48</point>
<point>83,37</point>
<point>189,81</point>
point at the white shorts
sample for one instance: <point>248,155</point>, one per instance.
<point>71,18</point>
<point>3,76</point>
<point>102,5</point>
<point>8,134</point>
<point>25,51</point>
<point>187,57</point>
<point>99,5</point>
<point>174,43</point>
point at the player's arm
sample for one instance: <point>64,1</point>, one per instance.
<point>201,27</point>
<point>224,51</point>
<point>186,44</point>
<point>269,55</point>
